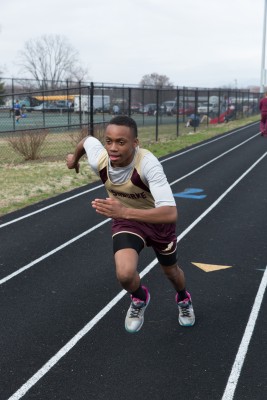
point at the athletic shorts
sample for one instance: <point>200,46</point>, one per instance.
<point>136,235</point>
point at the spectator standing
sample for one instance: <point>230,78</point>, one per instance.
<point>116,109</point>
<point>263,110</point>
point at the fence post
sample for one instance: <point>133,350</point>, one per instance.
<point>184,103</point>
<point>80,103</point>
<point>196,107</point>
<point>67,84</point>
<point>13,102</point>
<point>177,111</point>
<point>208,113</point>
<point>43,108</point>
<point>157,115</point>
<point>143,104</point>
<point>129,102</point>
<point>91,128</point>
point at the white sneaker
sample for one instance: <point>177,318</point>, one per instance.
<point>135,315</point>
<point>186,311</point>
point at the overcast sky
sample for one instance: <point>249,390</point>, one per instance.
<point>203,43</point>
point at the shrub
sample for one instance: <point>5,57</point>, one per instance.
<point>77,137</point>
<point>28,143</point>
<point>99,130</point>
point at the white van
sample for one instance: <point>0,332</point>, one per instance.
<point>168,107</point>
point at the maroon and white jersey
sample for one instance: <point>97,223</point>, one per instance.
<point>141,184</point>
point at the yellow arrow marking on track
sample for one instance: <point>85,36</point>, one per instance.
<point>211,267</point>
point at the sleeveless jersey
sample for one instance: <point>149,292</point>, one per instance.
<point>133,193</point>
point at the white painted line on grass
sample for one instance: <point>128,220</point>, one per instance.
<point>100,186</point>
<point>68,346</point>
<point>243,348</point>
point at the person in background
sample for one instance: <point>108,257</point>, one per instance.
<point>263,111</point>
<point>143,212</point>
<point>230,113</point>
<point>116,109</point>
<point>17,110</point>
<point>193,121</point>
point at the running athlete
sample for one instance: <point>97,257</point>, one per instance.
<point>143,212</point>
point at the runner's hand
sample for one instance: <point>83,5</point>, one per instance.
<point>72,164</point>
<point>110,208</point>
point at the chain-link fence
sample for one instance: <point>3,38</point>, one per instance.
<point>67,113</point>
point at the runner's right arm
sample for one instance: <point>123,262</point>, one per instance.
<point>73,159</point>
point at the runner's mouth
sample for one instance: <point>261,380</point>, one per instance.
<point>114,157</point>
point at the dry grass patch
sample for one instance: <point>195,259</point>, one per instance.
<point>25,184</point>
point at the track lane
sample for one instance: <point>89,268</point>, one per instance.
<point>108,336</point>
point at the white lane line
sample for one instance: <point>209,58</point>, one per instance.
<point>90,230</point>
<point>65,349</point>
<point>50,206</point>
<point>100,186</point>
<point>50,253</point>
<point>219,199</point>
<point>243,348</point>
<point>69,345</point>
<point>209,142</point>
<point>212,160</point>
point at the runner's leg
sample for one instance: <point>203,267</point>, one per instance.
<point>126,261</point>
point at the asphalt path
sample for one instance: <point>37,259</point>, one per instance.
<point>62,311</point>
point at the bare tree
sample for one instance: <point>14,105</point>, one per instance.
<point>50,60</point>
<point>156,80</point>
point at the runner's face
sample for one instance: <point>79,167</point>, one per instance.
<point>120,144</point>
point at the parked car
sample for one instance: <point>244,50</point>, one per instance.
<point>42,107</point>
<point>168,107</point>
<point>207,108</point>
<point>52,107</point>
<point>136,107</point>
<point>106,108</point>
<point>186,109</point>
<point>65,105</point>
<point>149,109</point>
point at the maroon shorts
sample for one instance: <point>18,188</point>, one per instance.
<point>161,237</point>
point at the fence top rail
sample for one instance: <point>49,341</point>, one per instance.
<point>71,84</point>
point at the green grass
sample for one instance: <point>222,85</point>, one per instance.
<point>25,183</point>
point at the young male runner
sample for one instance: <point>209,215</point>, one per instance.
<point>143,212</point>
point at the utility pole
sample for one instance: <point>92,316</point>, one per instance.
<point>262,84</point>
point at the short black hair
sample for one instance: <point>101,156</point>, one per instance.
<point>124,120</point>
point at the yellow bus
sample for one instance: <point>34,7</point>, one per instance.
<point>67,97</point>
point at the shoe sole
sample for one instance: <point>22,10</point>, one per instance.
<point>186,325</point>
